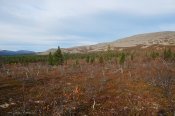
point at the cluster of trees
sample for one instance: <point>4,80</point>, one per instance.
<point>154,54</point>
<point>56,58</point>
<point>166,55</point>
<point>108,56</point>
<point>23,59</point>
<point>99,57</point>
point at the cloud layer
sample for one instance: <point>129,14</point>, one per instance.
<point>42,24</point>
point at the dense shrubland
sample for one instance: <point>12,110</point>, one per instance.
<point>120,82</point>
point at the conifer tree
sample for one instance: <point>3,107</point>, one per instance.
<point>167,54</point>
<point>122,61</point>
<point>77,61</point>
<point>109,53</point>
<point>58,57</point>
<point>50,59</point>
<point>101,59</point>
<point>92,59</point>
<point>154,54</point>
<point>88,59</point>
<point>132,57</point>
<point>122,58</point>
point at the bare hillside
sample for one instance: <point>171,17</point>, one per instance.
<point>148,39</point>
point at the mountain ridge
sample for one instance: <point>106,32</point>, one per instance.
<point>19,52</point>
<point>145,39</point>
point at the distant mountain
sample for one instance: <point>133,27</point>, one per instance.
<point>20,52</point>
<point>148,39</point>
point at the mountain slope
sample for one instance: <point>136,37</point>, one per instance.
<point>148,39</point>
<point>20,52</point>
<point>161,38</point>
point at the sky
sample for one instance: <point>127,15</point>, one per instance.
<point>39,25</point>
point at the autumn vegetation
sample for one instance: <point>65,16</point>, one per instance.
<point>128,81</point>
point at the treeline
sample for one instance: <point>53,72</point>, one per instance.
<point>22,59</point>
<point>59,58</point>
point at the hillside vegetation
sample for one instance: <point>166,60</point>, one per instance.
<point>128,81</point>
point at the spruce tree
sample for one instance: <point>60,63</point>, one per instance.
<point>92,59</point>
<point>50,59</point>
<point>77,62</point>
<point>132,57</point>
<point>122,58</point>
<point>58,57</point>
<point>154,54</point>
<point>167,54</point>
<point>88,59</point>
<point>101,60</point>
<point>122,61</point>
<point>109,53</point>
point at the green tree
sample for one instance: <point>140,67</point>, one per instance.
<point>154,54</point>
<point>132,57</point>
<point>109,53</point>
<point>92,59</point>
<point>101,59</point>
<point>122,58</point>
<point>58,57</point>
<point>88,59</point>
<point>77,61</point>
<point>50,59</point>
<point>167,54</point>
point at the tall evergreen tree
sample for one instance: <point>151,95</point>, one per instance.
<point>109,53</point>
<point>50,59</point>
<point>92,59</point>
<point>167,54</point>
<point>154,54</point>
<point>122,61</point>
<point>101,59</point>
<point>58,57</point>
<point>122,58</point>
<point>88,59</point>
<point>132,57</point>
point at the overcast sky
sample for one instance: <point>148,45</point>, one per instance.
<point>42,24</point>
